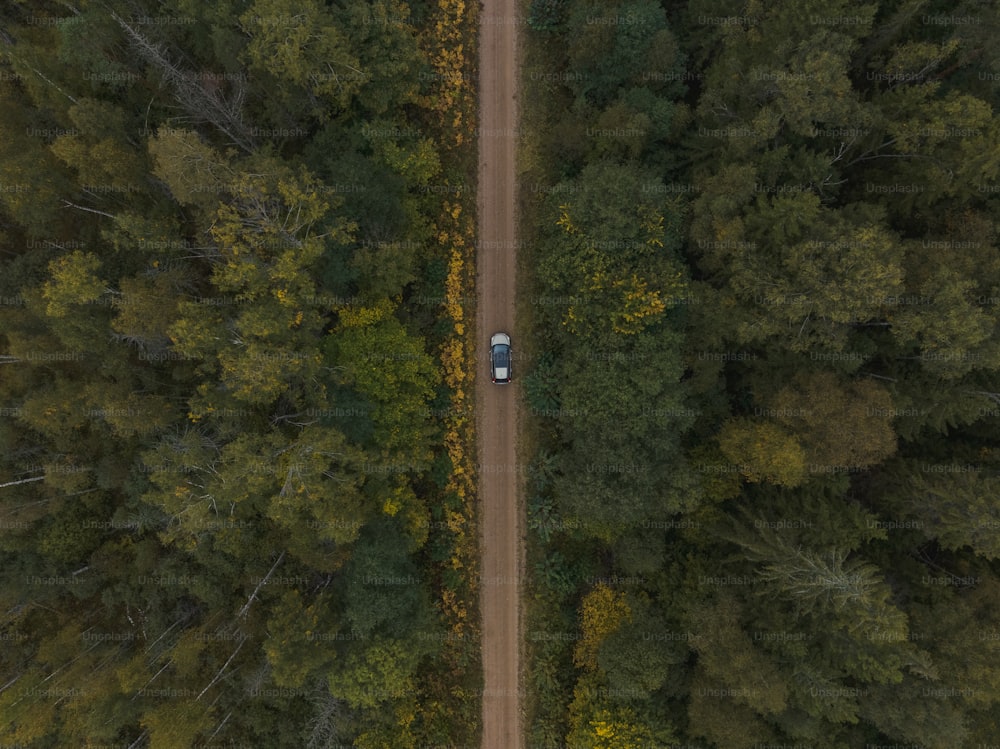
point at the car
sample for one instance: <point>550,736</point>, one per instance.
<point>500,358</point>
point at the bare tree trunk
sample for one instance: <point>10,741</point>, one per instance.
<point>261,584</point>
<point>89,210</point>
<point>49,81</point>
<point>22,481</point>
<point>10,683</point>
<point>224,721</point>
<point>326,716</point>
<point>995,397</point>
<point>224,667</point>
<point>152,678</point>
<point>179,621</point>
<point>225,115</point>
<point>880,377</point>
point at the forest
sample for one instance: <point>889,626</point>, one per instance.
<point>235,243</point>
<point>761,352</point>
<point>764,373</point>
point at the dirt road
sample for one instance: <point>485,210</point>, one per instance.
<point>499,477</point>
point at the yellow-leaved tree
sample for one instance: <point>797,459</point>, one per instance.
<point>602,611</point>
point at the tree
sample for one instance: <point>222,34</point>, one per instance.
<point>777,74</point>
<point>415,160</point>
<point>803,271</point>
<point>724,722</point>
<point>614,728</point>
<point>175,459</point>
<point>73,282</point>
<point>203,103</point>
<point>145,308</point>
<point>837,423</point>
<point>268,249</point>
<point>302,44</point>
<point>611,45</point>
<point>602,611</point>
<point>390,368</point>
<point>59,412</point>
<point>34,179</point>
<point>383,671</point>
<point>831,192</point>
<point>905,712</point>
<point>843,595</point>
<point>318,496</point>
<point>959,622</point>
<point>546,15</point>
<point>634,658</point>
<point>624,421</point>
<point>97,148</point>
<point>383,591</point>
<point>603,237</point>
<point>388,51</point>
<point>727,656</point>
<point>763,451</point>
<point>168,727</point>
<point>294,629</point>
<point>195,172</point>
<point>956,505</point>
<point>952,335</point>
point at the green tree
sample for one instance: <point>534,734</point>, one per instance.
<point>383,590</point>
<point>726,655</point>
<point>295,628</point>
<point>34,179</point>
<point>842,594</point>
<point>906,712</point>
<point>612,45</point>
<point>597,727</point>
<point>97,147</point>
<point>635,658</point>
<point>952,503</point>
<point>721,719</point>
<point>302,44</point>
<point>389,55</point>
<point>390,368</point>
<point>169,728</point>
<point>383,671</point>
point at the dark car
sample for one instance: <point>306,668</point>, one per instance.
<point>500,358</point>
